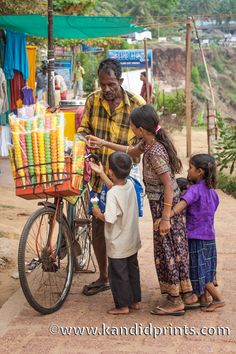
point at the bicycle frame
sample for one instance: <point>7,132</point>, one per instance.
<point>58,207</point>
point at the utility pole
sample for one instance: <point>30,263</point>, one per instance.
<point>188,92</point>
<point>51,96</point>
<point>146,67</point>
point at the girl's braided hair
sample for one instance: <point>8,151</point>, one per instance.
<point>207,163</point>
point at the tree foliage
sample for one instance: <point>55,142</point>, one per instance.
<point>79,7</point>
<point>208,7</point>
<point>171,107</point>
<point>226,146</point>
<point>196,7</point>
<point>68,7</point>
<point>8,7</point>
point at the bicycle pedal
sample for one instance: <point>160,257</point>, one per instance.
<point>82,222</point>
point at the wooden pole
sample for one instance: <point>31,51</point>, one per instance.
<point>146,66</point>
<point>204,62</point>
<point>211,115</point>
<point>208,129</point>
<point>188,92</point>
<point>51,96</point>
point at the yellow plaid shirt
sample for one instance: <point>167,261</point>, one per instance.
<point>114,127</point>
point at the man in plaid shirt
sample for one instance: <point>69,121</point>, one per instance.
<point>106,116</point>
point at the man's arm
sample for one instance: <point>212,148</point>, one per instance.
<point>85,127</point>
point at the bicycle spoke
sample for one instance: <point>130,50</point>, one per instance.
<point>83,229</point>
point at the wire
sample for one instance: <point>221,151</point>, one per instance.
<point>161,24</point>
<point>184,16</point>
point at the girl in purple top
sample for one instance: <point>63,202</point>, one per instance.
<point>201,202</point>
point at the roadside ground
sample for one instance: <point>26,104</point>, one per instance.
<point>22,330</point>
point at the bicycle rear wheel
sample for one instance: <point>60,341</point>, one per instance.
<point>45,275</point>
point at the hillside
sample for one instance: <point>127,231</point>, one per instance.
<point>169,70</point>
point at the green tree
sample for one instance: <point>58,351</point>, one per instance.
<point>226,147</point>
<point>195,7</point>
<point>69,7</point>
<point>226,7</point>
<point>8,7</point>
<point>106,8</point>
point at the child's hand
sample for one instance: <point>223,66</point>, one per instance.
<point>156,224</point>
<point>96,212</point>
<point>97,168</point>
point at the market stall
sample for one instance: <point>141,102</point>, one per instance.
<point>16,66</point>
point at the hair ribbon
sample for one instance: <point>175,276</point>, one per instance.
<point>158,127</point>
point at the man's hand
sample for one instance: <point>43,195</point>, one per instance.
<point>97,168</point>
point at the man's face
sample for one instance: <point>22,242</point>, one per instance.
<point>110,85</point>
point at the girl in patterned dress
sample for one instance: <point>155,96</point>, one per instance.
<point>160,163</point>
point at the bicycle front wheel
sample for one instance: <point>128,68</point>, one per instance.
<point>45,261</point>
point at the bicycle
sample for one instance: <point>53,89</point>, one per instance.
<point>53,245</point>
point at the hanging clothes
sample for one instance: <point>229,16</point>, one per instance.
<point>3,99</point>
<point>31,52</point>
<point>3,93</point>
<point>17,83</point>
<point>15,55</point>
<point>5,139</point>
<point>2,51</point>
<point>27,96</point>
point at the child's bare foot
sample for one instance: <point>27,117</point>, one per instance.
<point>205,299</point>
<point>135,306</point>
<point>119,311</point>
<point>191,299</point>
<point>213,306</point>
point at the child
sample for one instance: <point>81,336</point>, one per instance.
<point>182,184</point>
<point>201,202</point>
<point>160,163</point>
<point>121,233</point>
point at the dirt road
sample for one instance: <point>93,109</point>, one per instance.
<point>22,330</point>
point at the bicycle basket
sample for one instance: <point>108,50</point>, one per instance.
<point>65,184</point>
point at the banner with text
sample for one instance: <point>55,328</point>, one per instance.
<point>127,58</point>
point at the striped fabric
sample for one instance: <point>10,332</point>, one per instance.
<point>115,127</point>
